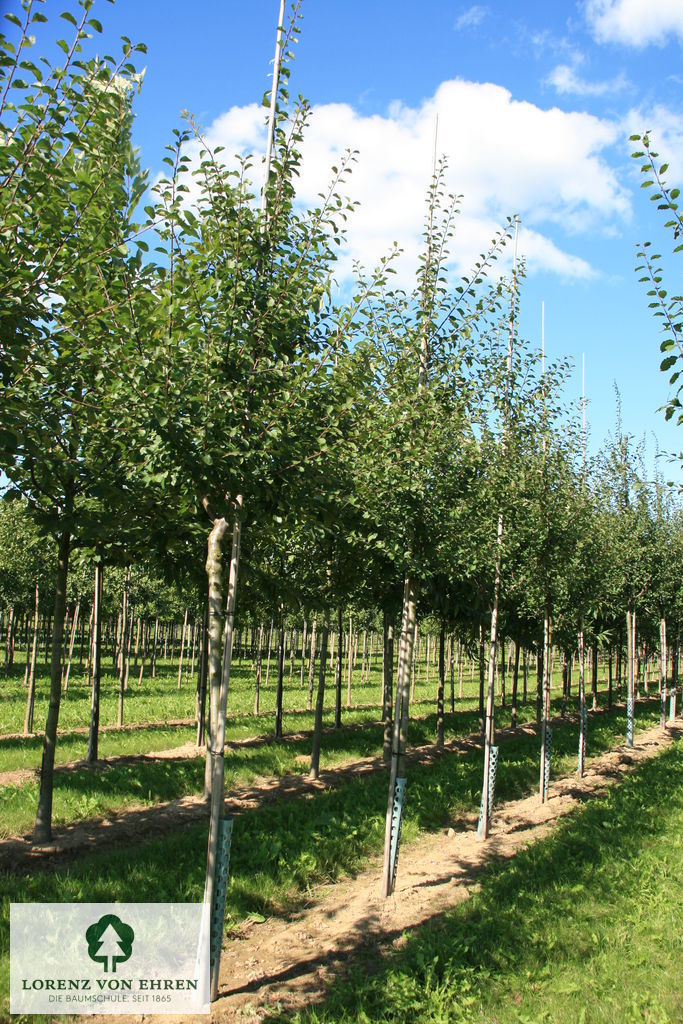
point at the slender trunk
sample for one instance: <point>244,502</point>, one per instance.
<point>74,627</point>
<point>319,704</point>
<point>94,732</point>
<point>630,658</point>
<point>202,679</point>
<point>350,663</point>
<point>515,677</point>
<point>609,676</point>
<point>400,725</point>
<point>440,689</point>
<point>280,675</point>
<point>303,654</point>
<point>451,669</point>
<point>482,677</point>
<point>182,650</point>
<point>338,672</point>
<point>31,696</point>
<point>546,698</point>
<point>223,681</point>
<point>594,674</point>
<point>270,648</point>
<point>388,683</point>
<point>311,660</point>
<point>582,705</point>
<point>42,832</point>
<point>259,664</point>
<point>502,672</point>
<point>122,670</point>
<point>662,672</point>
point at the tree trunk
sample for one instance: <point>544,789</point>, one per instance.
<point>338,672</point>
<point>319,704</point>
<point>594,674</point>
<point>202,679</point>
<point>280,675</point>
<point>311,660</point>
<point>221,679</point>
<point>349,669</point>
<point>94,732</point>
<point>515,678</point>
<point>42,832</point>
<point>31,696</point>
<point>482,678</point>
<point>259,664</point>
<point>662,672</point>
<point>270,648</point>
<point>546,696</point>
<point>303,654</point>
<point>74,627</point>
<point>440,689</point>
<point>122,669</point>
<point>182,650</point>
<point>400,726</point>
<point>388,684</point>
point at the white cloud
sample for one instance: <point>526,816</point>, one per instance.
<point>505,156</point>
<point>635,22</point>
<point>471,17</point>
<point>566,81</point>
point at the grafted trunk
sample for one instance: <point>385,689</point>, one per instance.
<point>221,680</point>
<point>43,827</point>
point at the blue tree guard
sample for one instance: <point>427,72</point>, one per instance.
<point>396,821</point>
<point>672,704</point>
<point>662,708</point>
<point>582,739</point>
<point>546,765</point>
<point>629,721</point>
<point>219,890</point>
<point>493,767</point>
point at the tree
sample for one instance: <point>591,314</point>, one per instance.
<point>667,308</point>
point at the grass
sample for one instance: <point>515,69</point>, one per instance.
<point>585,926</point>
<point>281,850</point>
<point>159,700</point>
<point>83,793</point>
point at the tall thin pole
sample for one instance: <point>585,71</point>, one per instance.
<point>489,733</point>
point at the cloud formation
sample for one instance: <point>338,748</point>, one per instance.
<point>566,81</point>
<point>505,156</point>
<point>634,22</point>
<point>471,17</point>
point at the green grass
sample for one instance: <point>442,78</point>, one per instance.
<point>26,752</point>
<point>281,850</point>
<point>159,700</point>
<point>83,793</point>
<point>583,926</point>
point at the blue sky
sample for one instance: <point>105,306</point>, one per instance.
<point>535,103</point>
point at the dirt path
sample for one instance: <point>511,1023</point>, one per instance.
<point>286,964</point>
<point>139,823</point>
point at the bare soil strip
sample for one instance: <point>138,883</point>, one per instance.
<point>285,964</point>
<point>139,823</point>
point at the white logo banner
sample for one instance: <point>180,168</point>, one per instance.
<point>130,958</point>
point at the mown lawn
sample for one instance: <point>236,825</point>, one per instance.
<point>584,926</point>
<point>280,851</point>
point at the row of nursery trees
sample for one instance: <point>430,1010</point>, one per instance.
<point>183,384</point>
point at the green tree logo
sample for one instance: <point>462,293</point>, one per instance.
<point>110,941</point>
